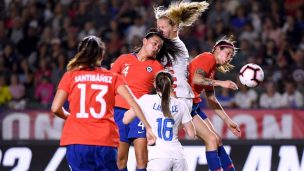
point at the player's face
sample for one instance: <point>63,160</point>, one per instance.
<point>152,45</point>
<point>223,55</point>
<point>164,25</point>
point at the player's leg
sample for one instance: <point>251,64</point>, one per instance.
<point>124,144</point>
<point>141,153</point>
<point>161,164</point>
<point>180,165</point>
<point>137,133</point>
<point>226,161</point>
<point>204,133</point>
<point>122,157</point>
<point>208,136</point>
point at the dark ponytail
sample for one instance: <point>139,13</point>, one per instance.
<point>90,53</point>
<point>164,82</point>
<point>169,51</point>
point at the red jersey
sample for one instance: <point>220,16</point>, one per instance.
<point>206,62</point>
<point>139,75</point>
<point>91,99</point>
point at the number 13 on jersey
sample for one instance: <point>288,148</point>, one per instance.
<point>102,90</point>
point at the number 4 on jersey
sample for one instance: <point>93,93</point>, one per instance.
<point>125,71</point>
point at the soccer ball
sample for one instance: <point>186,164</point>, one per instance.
<point>251,75</point>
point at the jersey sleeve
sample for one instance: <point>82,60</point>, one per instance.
<point>185,111</point>
<point>117,65</point>
<point>206,62</point>
<point>65,82</point>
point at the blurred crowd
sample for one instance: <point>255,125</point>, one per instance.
<point>39,37</point>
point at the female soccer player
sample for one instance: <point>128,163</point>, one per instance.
<point>139,70</point>
<point>202,71</point>
<point>170,21</point>
<point>89,132</point>
<point>165,113</point>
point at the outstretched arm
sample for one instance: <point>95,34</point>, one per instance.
<point>127,95</point>
<point>216,106</point>
<point>200,78</point>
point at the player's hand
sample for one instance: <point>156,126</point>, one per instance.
<point>234,128</point>
<point>229,84</point>
<point>151,138</point>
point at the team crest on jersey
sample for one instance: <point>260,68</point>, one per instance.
<point>149,69</point>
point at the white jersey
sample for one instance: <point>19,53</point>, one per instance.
<point>179,70</point>
<point>166,129</point>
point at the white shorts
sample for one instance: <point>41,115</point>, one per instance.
<point>167,164</point>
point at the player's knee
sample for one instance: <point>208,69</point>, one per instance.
<point>212,141</point>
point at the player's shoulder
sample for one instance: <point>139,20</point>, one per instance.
<point>206,57</point>
<point>156,64</point>
<point>126,57</point>
<point>105,71</point>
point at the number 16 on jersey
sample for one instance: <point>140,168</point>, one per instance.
<point>165,128</point>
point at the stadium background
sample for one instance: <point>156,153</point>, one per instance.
<point>37,38</point>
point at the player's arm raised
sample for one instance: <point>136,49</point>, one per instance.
<point>199,78</point>
<point>127,95</point>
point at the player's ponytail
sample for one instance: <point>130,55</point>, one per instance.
<point>164,82</point>
<point>182,13</point>
<point>90,54</point>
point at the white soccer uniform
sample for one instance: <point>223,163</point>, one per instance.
<point>179,70</point>
<point>167,147</point>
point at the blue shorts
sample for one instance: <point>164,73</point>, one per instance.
<point>133,130</point>
<point>196,110</point>
<point>91,157</point>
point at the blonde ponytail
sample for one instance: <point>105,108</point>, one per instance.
<point>182,13</point>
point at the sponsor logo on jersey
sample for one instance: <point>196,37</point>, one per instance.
<point>149,69</point>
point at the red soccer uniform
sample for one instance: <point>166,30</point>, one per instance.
<point>206,62</point>
<point>139,75</point>
<point>91,100</point>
